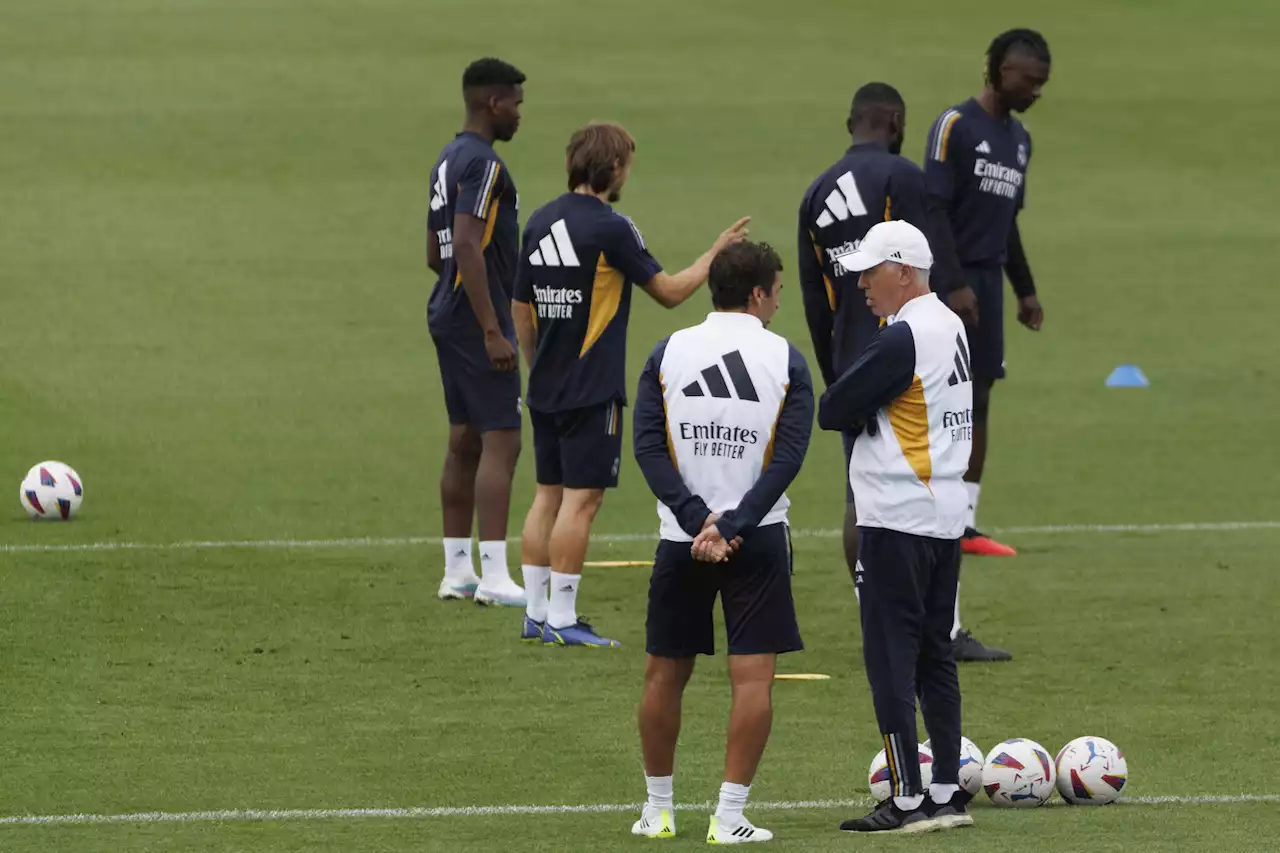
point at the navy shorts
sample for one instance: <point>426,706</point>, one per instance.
<point>986,343</point>
<point>474,393</point>
<point>755,593</point>
<point>580,448</point>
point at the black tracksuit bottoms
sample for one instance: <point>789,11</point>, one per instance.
<point>907,588</point>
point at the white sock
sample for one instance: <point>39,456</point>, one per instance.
<point>457,558</point>
<point>909,803</point>
<point>536,580</point>
<point>493,561</point>
<point>562,611</point>
<point>661,794</point>
<point>733,799</point>
<point>971,520</point>
<point>942,794</point>
<point>955,624</point>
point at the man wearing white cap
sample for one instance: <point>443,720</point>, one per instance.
<point>911,395</point>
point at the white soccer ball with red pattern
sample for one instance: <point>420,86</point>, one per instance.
<point>51,490</point>
<point>1018,773</point>
<point>1091,772</point>
<point>880,781</point>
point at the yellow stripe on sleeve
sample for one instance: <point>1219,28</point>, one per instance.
<point>945,133</point>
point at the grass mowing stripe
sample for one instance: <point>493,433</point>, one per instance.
<point>232,815</point>
<point>803,533</point>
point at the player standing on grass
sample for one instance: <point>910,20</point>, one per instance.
<point>722,423</point>
<point>910,397</point>
<point>975,168</point>
<point>472,243</point>
<point>869,184</point>
<point>573,299</point>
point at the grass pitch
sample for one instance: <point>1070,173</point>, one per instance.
<point>213,307</point>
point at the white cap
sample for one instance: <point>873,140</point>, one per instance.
<point>897,241</point>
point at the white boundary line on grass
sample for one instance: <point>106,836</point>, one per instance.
<point>802,533</point>
<point>244,815</point>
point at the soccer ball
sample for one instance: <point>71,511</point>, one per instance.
<point>51,490</point>
<point>878,778</point>
<point>1018,773</point>
<point>970,764</point>
<point>1091,771</point>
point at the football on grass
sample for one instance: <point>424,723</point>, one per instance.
<point>1091,772</point>
<point>1018,773</point>
<point>51,490</point>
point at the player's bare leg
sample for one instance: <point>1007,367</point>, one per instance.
<point>458,480</point>
<point>535,558</point>
<point>569,538</point>
<point>659,723</point>
<point>458,502</point>
<point>664,683</point>
<point>500,450</point>
<point>750,721</point>
<point>851,540</point>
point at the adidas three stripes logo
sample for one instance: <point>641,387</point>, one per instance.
<point>714,377</point>
<point>555,249</point>
<point>440,188</point>
<point>963,372</point>
<point>844,201</point>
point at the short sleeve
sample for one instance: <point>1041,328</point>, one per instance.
<point>627,253</point>
<point>478,186</point>
<point>939,166</point>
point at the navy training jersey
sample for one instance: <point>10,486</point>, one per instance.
<point>579,261</point>
<point>471,178</point>
<point>867,185</point>
<point>978,164</point>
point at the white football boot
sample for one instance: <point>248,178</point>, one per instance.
<point>460,588</point>
<point>502,592</point>
<point>744,833</point>
<point>655,823</point>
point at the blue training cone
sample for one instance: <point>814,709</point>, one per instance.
<point>1127,376</point>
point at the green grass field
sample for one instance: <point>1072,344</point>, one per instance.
<point>212,299</point>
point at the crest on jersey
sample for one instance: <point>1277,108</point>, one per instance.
<point>1022,155</point>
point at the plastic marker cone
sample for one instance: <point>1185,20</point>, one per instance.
<point>1127,376</point>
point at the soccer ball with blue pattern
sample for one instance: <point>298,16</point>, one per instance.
<point>1091,772</point>
<point>971,759</point>
<point>1019,774</point>
<point>880,781</point>
<point>51,490</point>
